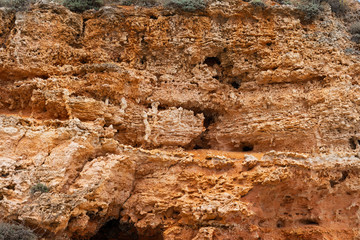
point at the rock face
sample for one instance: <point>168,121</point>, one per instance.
<point>107,110</point>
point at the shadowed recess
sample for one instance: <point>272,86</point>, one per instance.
<point>114,229</point>
<point>211,61</point>
<point>117,230</point>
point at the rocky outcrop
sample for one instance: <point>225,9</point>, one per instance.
<point>170,194</point>
<point>259,77</point>
<point>219,198</point>
<point>126,114</point>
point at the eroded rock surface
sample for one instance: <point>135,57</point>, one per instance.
<point>174,194</point>
<point>106,108</point>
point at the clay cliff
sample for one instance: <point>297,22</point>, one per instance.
<point>235,122</point>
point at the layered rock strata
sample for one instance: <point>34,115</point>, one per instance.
<point>260,78</point>
<point>202,194</point>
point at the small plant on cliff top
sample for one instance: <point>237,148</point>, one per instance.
<point>310,9</point>
<point>39,188</point>
<point>187,5</point>
<point>83,5</point>
<point>355,28</point>
<point>355,31</point>
<point>15,4</point>
<point>283,2</point>
<point>143,3</point>
<point>258,3</point>
<point>338,7</point>
<point>15,232</point>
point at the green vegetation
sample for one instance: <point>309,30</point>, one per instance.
<point>39,188</point>
<point>355,28</point>
<point>15,232</point>
<point>187,5</point>
<point>73,5</point>
<point>284,2</point>
<point>83,5</point>
<point>184,5</point>
<point>15,4</point>
<point>258,3</point>
<point>143,3</point>
<point>355,31</point>
<point>338,7</point>
<point>310,9</point>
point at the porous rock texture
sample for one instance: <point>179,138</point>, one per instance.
<point>107,108</point>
